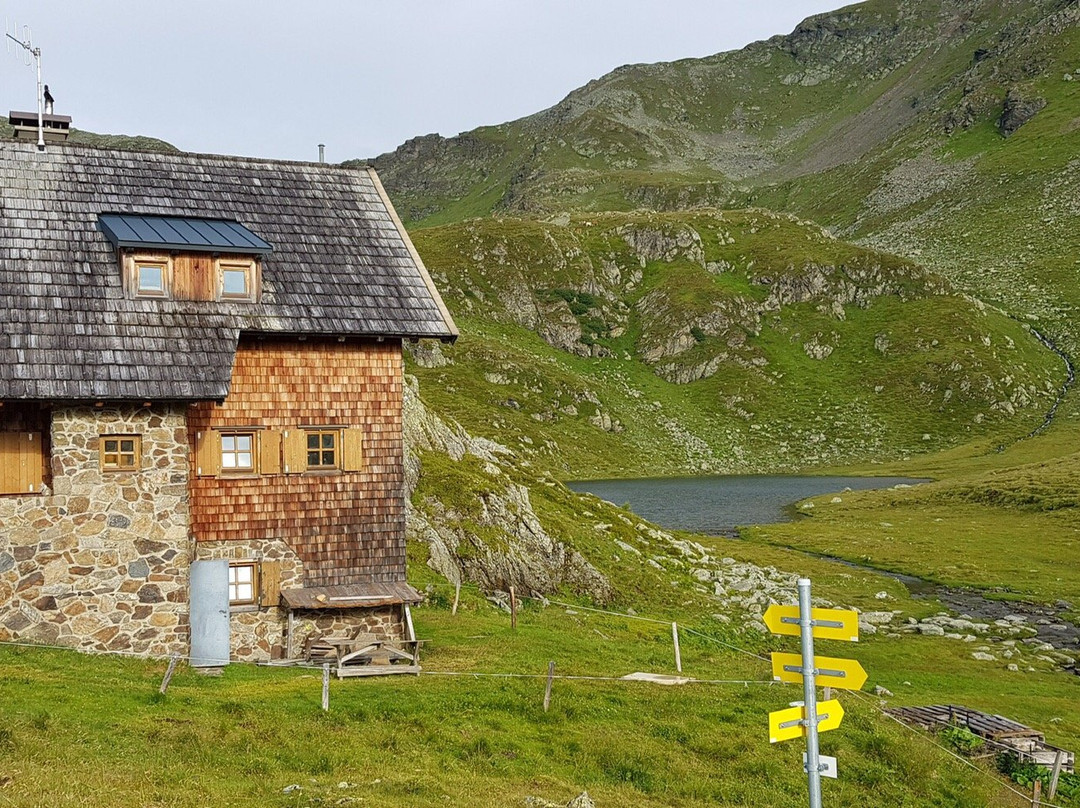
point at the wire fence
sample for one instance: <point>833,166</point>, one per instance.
<point>867,698</point>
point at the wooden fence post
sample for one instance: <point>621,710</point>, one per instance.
<point>1059,758</point>
<point>326,686</point>
<point>1036,799</point>
<point>513,610</point>
<point>457,597</point>
<point>547,690</point>
<point>678,653</point>
<point>169,674</point>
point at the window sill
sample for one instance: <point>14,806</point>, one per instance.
<point>241,608</point>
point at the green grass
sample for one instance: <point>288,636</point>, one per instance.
<point>434,740</point>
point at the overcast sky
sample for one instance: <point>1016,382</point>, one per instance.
<point>272,78</point>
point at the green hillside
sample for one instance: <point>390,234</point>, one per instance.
<point>658,343</point>
<point>879,121</point>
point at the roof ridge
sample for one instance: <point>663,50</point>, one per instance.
<point>180,153</point>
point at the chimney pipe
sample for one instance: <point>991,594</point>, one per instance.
<point>322,152</point>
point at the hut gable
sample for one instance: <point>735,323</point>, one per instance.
<point>340,265</point>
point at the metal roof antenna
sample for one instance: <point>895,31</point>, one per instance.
<point>26,43</point>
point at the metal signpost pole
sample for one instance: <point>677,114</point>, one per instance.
<point>806,623</point>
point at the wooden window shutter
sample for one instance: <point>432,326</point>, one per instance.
<point>352,441</point>
<point>269,583</point>
<point>294,442</point>
<point>270,452</point>
<point>20,462</point>
<point>207,453</point>
<point>30,462</point>
<point>9,462</point>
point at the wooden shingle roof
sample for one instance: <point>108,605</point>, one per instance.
<point>342,266</point>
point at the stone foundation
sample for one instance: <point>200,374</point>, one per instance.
<point>99,560</point>
<point>385,622</point>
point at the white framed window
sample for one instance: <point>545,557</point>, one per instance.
<point>238,451</point>
<point>243,577</point>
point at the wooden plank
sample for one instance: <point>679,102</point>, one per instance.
<point>294,443</point>
<point>547,689</point>
<point>375,670</point>
<point>280,384</point>
<point>352,449</point>
<point>168,674</point>
<point>269,451</point>
<point>269,583</point>
<point>678,653</point>
<point>10,470</point>
<point>207,453</point>
<point>1055,774</point>
<point>34,455</point>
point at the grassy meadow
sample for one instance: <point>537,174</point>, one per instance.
<point>84,730</point>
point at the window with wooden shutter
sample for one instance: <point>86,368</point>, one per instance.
<point>294,450</point>
<point>352,441</point>
<point>20,462</point>
<point>243,583</point>
<point>270,452</point>
<point>207,453</point>
<point>269,583</point>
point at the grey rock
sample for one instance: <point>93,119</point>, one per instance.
<point>7,561</point>
<point>931,630</point>
<point>881,691</point>
<point>582,800</point>
<point>983,656</point>
<point>1017,111</point>
<point>138,568</point>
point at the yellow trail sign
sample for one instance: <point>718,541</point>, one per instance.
<point>785,725</point>
<point>828,671</point>
<point>829,624</point>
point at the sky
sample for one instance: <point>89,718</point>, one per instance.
<point>270,78</point>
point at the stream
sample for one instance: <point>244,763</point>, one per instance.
<point>1046,620</point>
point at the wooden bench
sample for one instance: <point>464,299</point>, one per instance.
<point>364,654</point>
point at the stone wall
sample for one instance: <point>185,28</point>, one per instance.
<point>99,560</point>
<point>385,622</point>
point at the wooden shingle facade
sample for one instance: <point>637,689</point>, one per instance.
<point>184,417</point>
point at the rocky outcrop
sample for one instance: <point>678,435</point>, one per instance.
<point>501,542</point>
<point>1018,110</point>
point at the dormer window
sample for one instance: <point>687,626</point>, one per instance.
<point>150,279</point>
<point>237,279</point>
<point>186,258</point>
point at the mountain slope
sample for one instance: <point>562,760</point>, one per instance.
<point>716,341</point>
<point>885,121</point>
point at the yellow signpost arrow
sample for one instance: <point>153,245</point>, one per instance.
<point>791,723</point>
<point>828,624</point>
<point>847,674</point>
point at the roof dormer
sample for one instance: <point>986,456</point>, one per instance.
<point>186,258</point>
